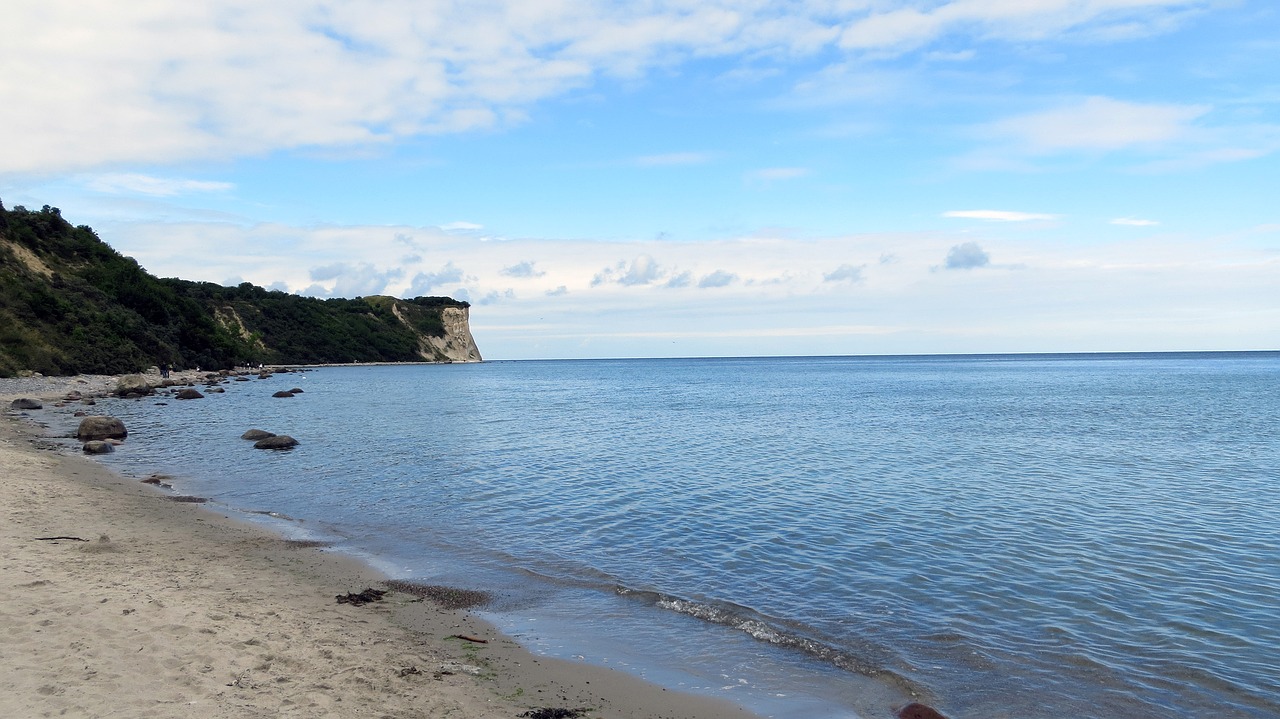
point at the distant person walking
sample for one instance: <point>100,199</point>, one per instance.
<point>164,371</point>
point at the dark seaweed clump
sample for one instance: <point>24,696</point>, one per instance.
<point>361,599</point>
<point>554,713</point>
<point>306,544</point>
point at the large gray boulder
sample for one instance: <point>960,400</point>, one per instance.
<point>26,403</point>
<point>281,441</point>
<point>100,427</point>
<point>282,393</point>
<point>257,434</point>
<point>189,393</point>
<point>133,384</point>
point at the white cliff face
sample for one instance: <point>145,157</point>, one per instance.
<point>457,344</point>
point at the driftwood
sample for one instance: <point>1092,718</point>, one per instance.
<point>466,638</point>
<point>54,539</point>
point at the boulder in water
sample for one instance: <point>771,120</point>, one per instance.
<point>257,434</point>
<point>26,403</point>
<point>280,441</point>
<point>915,710</point>
<point>282,393</point>
<point>189,393</point>
<point>100,427</point>
<point>98,446</point>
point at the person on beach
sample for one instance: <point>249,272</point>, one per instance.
<point>164,370</point>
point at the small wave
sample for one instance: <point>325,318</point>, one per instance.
<point>760,628</point>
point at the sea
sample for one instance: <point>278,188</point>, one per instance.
<point>1070,535</point>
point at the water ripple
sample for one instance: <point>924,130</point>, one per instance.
<point>1055,536</point>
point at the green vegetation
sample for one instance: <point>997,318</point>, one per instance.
<point>71,304</point>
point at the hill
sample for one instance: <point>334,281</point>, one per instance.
<point>71,304</point>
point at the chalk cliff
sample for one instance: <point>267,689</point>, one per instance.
<point>454,344</point>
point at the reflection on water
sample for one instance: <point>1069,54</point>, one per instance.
<point>1007,535</point>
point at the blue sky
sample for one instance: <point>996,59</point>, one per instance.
<point>719,177</point>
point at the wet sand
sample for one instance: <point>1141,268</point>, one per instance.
<point>148,607</point>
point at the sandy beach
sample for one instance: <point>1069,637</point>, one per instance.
<point>116,601</point>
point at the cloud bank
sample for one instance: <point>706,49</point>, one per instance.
<point>171,82</point>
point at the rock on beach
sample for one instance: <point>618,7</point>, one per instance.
<point>26,403</point>
<point>133,384</point>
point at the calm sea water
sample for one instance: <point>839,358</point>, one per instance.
<point>1000,536</point>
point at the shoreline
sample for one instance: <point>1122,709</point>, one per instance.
<point>170,607</point>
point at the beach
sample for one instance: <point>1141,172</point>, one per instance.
<point>117,601</point>
<point>810,538</point>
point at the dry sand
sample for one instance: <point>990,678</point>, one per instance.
<point>171,610</point>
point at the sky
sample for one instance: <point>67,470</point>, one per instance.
<point>683,177</point>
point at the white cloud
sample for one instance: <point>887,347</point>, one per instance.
<point>957,56</point>
<point>121,183</point>
<point>893,28</point>
<point>778,173</point>
<point>683,279</point>
<point>719,278</point>
<point>495,296</point>
<point>91,85</point>
<point>1157,137</point>
<point>846,84</point>
<point>844,273</point>
<point>642,270</point>
<point>461,226</point>
<point>350,280</point>
<point>165,82</point>
<point>904,28</point>
<point>1098,124</point>
<point>1134,222</point>
<point>999,215</point>
<point>522,269</point>
<point>424,282</point>
<point>673,158</point>
<point>967,256</point>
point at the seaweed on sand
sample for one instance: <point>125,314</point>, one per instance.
<point>361,599</point>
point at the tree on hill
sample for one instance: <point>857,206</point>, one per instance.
<point>70,304</point>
